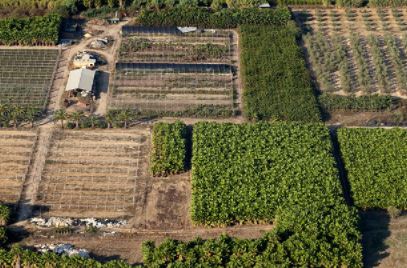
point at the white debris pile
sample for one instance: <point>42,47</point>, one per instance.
<point>68,222</point>
<point>52,222</point>
<point>62,249</point>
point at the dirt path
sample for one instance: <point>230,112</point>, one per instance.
<point>30,187</point>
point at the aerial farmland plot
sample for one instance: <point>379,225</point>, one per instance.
<point>26,76</point>
<point>17,148</point>
<point>90,173</point>
<point>163,71</point>
<point>357,51</point>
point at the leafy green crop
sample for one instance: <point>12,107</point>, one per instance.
<point>264,172</point>
<point>30,31</point>
<point>376,164</point>
<point>205,18</point>
<point>277,83</point>
<point>4,214</point>
<point>245,172</point>
<point>169,148</point>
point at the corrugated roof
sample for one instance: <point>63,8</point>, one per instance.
<point>80,79</point>
<point>176,67</point>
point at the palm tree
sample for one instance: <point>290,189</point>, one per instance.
<point>110,118</point>
<point>16,114</point>
<point>4,114</point>
<point>76,117</point>
<point>31,113</point>
<point>93,119</point>
<point>125,116</point>
<point>60,115</point>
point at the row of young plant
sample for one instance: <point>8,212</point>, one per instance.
<point>205,18</point>
<point>276,81</point>
<point>330,58</point>
<point>77,119</point>
<point>30,31</point>
<point>347,3</point>
<point>282,172</point>
<point>168,155</point>
<point>15,115</point>
<point>374,103</point>
<point>376,165</point>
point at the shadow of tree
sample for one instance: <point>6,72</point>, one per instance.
<point>375,231</point>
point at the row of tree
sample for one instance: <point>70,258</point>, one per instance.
<point>78,119</point>
<point>11,114</point>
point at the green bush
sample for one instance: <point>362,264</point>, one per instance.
<point>3,236</point>
<point>350,3</point>
<point>168,154</point>
<point>363,103</point>
<point>4,215</point>
<point>30,31</point>
<point>376,164</point>
<point>387,3</point>
<point>225,18</point>
<point>276,81</point>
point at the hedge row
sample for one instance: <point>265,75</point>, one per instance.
<point>30,31</point>
<point>282,172</point>
<point>376,164</point>
<point>333,102</point>
<point>17,257</point>
<point>276,81</point>
<point>347,3</point>
<point>225,18</point>
<point>168,154</point>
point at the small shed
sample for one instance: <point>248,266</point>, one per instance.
<point>81,81</point>
<point>84,59</point>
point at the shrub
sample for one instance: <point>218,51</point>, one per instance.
<point>168,155</point>
<point>4,215</point>
<point>363,103</point>
<point>350,3</point>
<point>3,236</point>
<point>276,81</point>
<point>376,164</point>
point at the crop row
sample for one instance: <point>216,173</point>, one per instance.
<point>205,18</point>
<point>168,154</point>
<point>276,81</point>
<point>346,3</point>
<point>30,31</point>
<point>358,64</point>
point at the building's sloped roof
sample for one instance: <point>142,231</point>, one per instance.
<point>80,79</point>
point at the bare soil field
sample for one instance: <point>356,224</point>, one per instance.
<point>93,173</point>
<point>127,246</point>
<point>16,153</point>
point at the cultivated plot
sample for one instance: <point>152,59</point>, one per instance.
<point>16,152</point>
<point>26,76</point>
<point>173,89</point>
<point>358,52</point>
<point>93,173</point>
<point>146,44</point>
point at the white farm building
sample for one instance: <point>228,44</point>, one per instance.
<point>81,81</point>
